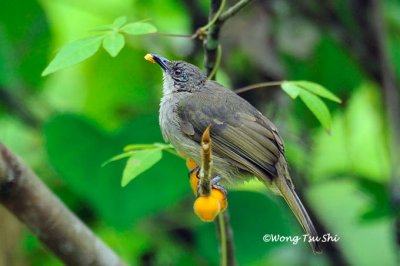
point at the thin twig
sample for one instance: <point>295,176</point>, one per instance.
<point>174,35</point>
<point>217,63</point>
<point>218,18</point>
<point>233,10</point>
<point>225,236</point>
<point>206,164</point>
<point>24,195</point>
<point>201,32</point>
<point>215,16</point>
<point>211,43</point>
<point>258,85</point>
<point>224,251</point>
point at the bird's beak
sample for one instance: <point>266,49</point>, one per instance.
<point>155,58</point>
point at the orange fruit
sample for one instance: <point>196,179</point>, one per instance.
<point>207,208</point>
<point>194,182</point>
<point>221,197</point>
<point>190,164</point>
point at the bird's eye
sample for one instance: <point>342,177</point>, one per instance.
<point>179,75</point>
<point>178,72</point>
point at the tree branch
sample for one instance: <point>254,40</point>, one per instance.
<point>15,105</point>
<point>233,10</point>
<point>391,98</point>
<point>24,195</point>
<point>211,48</point>
<point>198,19</point>
<point>211,43</point>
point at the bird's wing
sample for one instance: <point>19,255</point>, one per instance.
<point>239,132</point>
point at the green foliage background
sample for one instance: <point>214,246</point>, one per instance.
<point>87,113</point>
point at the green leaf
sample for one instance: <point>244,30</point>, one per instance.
<point>117,157</point>
<point>156,145</point>
<point>309,92</point>
<point>132,148</point>
<point>317,90</point>
<point>291,89</point>
<point>108,27</point>
<point>113,43</point>
<point>318,108</point>
<point>119,22</point>
<point>139,28</point>
<point>139,162</point>
<point>74,53</point>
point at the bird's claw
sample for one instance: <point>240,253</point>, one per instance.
<point>194,175</point>
<point>214,184</point>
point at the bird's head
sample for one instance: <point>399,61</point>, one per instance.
<point>179,76</point>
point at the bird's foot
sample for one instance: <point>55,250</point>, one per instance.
<point>214,184</point>
<point>194,178</point>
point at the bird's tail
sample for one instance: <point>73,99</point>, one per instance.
<point>286,188</point>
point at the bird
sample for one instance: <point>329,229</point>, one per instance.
<point>246,144</point>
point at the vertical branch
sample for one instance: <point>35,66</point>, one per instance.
<point>223,226</point>
<point>24,195</point>
<point>198,19</point>
<point>212,54</point>
<point>206,164</point>
<point>212,41</point>
<point>211,44</point>
<point>391,98</point>
<point>225,236</point>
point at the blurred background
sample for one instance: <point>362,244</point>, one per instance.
<point>66,125</point>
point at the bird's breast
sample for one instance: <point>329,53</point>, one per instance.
<point>171,127</point>
<point>168,118</point>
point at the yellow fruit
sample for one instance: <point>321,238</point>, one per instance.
<point>221,197</point>
<point>190,164</point>
<point>207,208</point>
<point>194,181</point>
